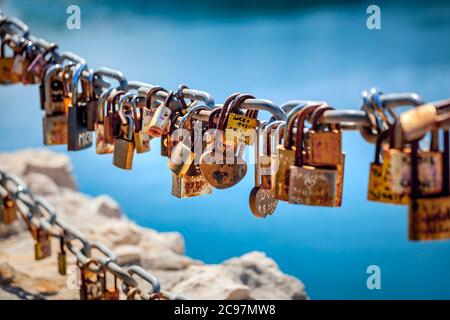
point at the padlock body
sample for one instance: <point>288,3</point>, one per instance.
<point>79,137</point>
<point>101,146</point>
<point>55,129</point>
<point>142,141</point>
<point>123,154</point>
<point>286,158</point>
<point>313,186</point>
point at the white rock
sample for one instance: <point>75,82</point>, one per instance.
<point>106,206</point>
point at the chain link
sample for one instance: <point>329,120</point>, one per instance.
<point>38,213</point>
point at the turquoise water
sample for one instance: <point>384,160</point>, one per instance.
<point>279,52</point>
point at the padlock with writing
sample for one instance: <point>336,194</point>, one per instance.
<point>79,137</point>
<point>429,215</point>
<point>310,185</point>
<point>241,127</point>
<point>268,158</point>
<point>430,165</point>
<point>222,164</point>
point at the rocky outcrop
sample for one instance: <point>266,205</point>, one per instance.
<point>251,276</point>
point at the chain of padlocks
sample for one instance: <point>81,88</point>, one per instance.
<point>205,142</point>
<point>99,276</point>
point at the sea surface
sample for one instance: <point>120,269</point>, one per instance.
<point>278,50</point>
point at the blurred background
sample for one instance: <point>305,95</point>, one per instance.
<point>278,50</point>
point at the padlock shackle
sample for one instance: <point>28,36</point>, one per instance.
<point>76,77</point>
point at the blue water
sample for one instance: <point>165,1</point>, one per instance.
<point>279,51</point>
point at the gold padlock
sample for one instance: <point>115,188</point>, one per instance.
<point>42,246</point>
<point>183,154</point>
<point>309,185</point>
<point>380,183</point>
<point>286,153</point>
<point>429,215</point>
<point>325,146</point>
<point>192,184</point>
<point>7,62</point>
<point>141,137</point>
<point>430,166</point>
<point>8,209</point>
<point>241,127</point>
<point>124,145</point>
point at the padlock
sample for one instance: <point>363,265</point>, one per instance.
<point>150,107</point>
<point>110,293</point>
<point>325,144</point>
<point>222,164</point>
<point>8,207</point>
<point>380,183</point>
<point>160,123</point>
<point>6,63</point>
<point>54,90</point>
<point>192,184</point>
<point>310,185</point>
<point>92,102</point>
<point>262,200</point>
<point>241,127</point>
<point>182,155</point>
<point>62,257</point>
<point>268,158</point>
<point>21,64</point>
<point>42,246</point>
<point>141,137</point>
<point>113,121</point>
<point>91,287</point>
<point>79,137</point>
<point>430,165</point>
<point>286,154</point>
<point>429,215</point>
<point>101,146</point>
<point>124,145</point>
